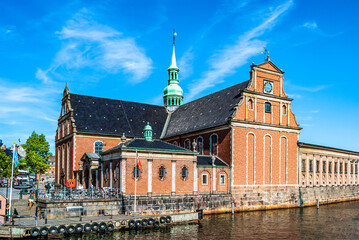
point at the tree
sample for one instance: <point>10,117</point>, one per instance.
<point>37,153</point>
<point>5,164</point>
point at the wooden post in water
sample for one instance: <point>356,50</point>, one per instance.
<point>317,203</point>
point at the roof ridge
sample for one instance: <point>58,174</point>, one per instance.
<point>214,93</point>
<point>116,99</point>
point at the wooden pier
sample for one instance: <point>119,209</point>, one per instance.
<point>23,228</point>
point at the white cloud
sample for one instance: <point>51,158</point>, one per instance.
<point>226,61</point>
<point>310,25</point>
<point>87,43</point>
<point>185,63</point>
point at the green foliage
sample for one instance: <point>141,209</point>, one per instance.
<point>5,164</point>
<point>37,153</point>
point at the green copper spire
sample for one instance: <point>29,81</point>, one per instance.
<point>148,132</point>
<point>173,93</point>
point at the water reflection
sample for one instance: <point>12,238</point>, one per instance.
<point>336,221</point>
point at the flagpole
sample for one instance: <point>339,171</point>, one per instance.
<point>11,180</point>
<point>134,213</point>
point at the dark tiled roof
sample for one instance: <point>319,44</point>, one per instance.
<point>105,116</point>
<point>142,144</point>
<point>92,155</point>
<point>207,161</point>
<point>210,111</point>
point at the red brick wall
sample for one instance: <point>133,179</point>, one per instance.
<point>224,142</point>
<point>250,155</point>
<point>209,187</point>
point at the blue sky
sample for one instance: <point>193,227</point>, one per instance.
<point>122,49</point>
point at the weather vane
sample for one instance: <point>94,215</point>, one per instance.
<point>174,36</point>
<point>266,54</point>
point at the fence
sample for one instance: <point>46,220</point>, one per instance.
<point>70,194</point>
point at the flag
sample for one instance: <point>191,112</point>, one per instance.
<point>15,157</point>
<point>138,161</point>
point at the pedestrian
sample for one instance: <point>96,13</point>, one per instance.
<point>31,199</point>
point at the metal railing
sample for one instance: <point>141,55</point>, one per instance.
<point>71,194</point>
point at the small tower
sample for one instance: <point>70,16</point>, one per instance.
<point>173,93</point>
<point>148,132</point>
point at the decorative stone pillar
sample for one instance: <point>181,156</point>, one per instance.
<point>173,192</point>
<point>195,177</point>
<point>326,171</point>
<point>111,173</point>
<point>214,177</point>
<point>149,184</point>
<point>123,175</point>
<point>321,170</point>
<point>307,169</point>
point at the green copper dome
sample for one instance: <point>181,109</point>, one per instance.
<point>173,93</point>
<point>148,132</point>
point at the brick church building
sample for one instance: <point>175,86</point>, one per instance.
<point>244,138</point>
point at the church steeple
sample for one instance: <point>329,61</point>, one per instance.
<point>173,93</point>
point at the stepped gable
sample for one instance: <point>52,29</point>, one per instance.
<point>94,115</point>
<point>207,112</point>
<point>155,145</point>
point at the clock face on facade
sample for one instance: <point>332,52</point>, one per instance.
<point>268,87</point>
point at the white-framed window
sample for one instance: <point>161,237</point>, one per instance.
<point>222,179</point>
<point>204,179</point>
<point>214,144</point>
<point>98,147</point>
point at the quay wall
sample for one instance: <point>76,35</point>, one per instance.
<point>308,196</point>
<point>145,205</point>
<point>248,198</point>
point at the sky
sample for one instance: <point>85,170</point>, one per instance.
<point>122,49</point>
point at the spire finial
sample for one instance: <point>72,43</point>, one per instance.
<point>266,54</point>
<point>174,36</point>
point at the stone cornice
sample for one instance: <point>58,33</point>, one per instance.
<point>267,96</point>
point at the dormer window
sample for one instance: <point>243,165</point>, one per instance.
<point>268,107</point>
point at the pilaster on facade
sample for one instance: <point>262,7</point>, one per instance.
<point>149,183</point>
<point>123,175</point>
<point>173,189</point>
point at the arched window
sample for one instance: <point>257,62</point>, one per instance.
<point>184,173</point>
<point>214,144</point>
<point>268,107</point>
<point>187,144</point>
<point>161,172</point>
<point>68,126</point>
<point>284,109</point>
<point>250,104</point>
<point>136,172</point>
<point>98,147</point>
<point>200,145</point>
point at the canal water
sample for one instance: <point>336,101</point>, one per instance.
<point>335,221</point>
